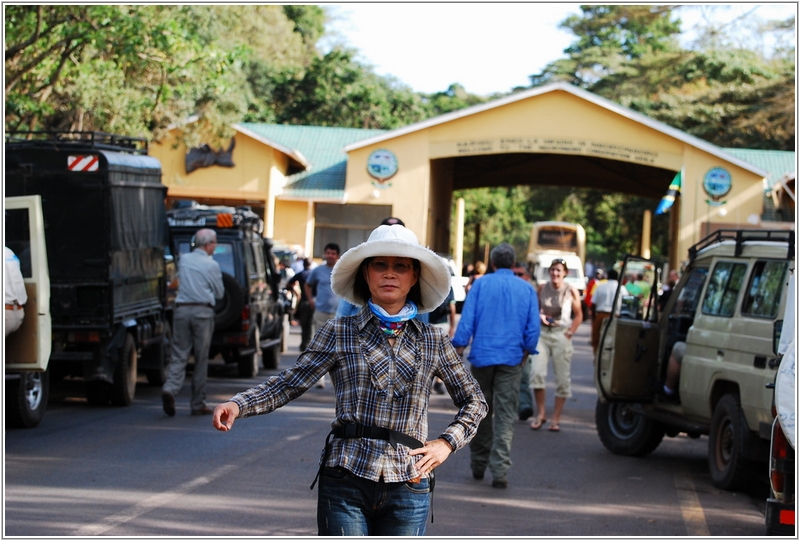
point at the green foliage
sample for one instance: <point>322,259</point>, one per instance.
<point>723,93</point>
<point>730,98</point>
<point>608,38</point>
<point>335,90</point>
<point>309,22</point>
<point>452,99</point>
<point>124,69</point>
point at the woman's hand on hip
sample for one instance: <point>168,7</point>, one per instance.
<point>433,454</point>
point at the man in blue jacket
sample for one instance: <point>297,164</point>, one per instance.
<point>501,319</point>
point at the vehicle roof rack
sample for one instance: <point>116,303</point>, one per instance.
<point>93,139</point>
<point>741,236</point>
<point>241,216</point>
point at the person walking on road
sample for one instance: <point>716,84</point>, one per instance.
<point>500,323</point>
<point>560,315</point>
<point>376,474</point>
<point>322,299</point>
<point>602,303</point>
<point>304,310</point>
<point>199,287</point>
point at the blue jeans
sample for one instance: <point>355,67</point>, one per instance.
<point>351,505</point>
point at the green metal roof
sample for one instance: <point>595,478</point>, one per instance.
<point>777,162</point>
<point>323,147</point>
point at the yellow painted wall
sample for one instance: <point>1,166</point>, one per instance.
<point>556,122</point>
<point>257,177</point>
<point>744,202</point>
<point>407,191</point>
<point>292,221</point>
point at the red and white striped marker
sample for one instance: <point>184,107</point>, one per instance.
<point>83,163</point>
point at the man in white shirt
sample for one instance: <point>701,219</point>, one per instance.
<point>15,293</point>
<point>602,300</point>
<point>199,287</point>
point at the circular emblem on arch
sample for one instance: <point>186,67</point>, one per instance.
<point>717,182</point>
<point>382,165</point>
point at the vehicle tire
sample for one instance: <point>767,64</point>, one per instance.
<point>623,431</point>
<point>158,376</point>
<point>125,374</point>
<point>228,309</point>
<point>26,399</point>
<point>729,469</point>
<point>247,365</point>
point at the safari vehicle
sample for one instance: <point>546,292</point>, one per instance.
<point>27,352</point>
<point>104,226</point>
<point>724,308</point>
<point>249,320</point>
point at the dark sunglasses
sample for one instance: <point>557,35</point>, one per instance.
<point>383,266</point>
<point>520,274</point>
<point>557,261</point>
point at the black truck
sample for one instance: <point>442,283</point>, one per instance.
<point>105,228</point>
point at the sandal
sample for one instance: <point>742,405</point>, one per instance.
<point>537,424</point>
<point>554,428</point>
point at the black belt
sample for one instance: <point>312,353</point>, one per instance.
<point>207,305</point>
<point>357,430</point>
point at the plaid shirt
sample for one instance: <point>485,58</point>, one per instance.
<point>379,386</point>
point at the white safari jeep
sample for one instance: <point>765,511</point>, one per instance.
<point>725,308</point>
<point>27,353</point>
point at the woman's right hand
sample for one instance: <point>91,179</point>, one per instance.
<point>224,415</point>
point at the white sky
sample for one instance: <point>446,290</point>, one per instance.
<point>486,47</point>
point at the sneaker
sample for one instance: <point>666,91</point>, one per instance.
<point>525,414</point>
<point>439,387</point>
<point>477,474</point>
<point>321,383</point>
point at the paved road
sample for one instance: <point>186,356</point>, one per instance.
<point>135,472</point>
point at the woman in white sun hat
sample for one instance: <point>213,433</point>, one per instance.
<point>376,474</point>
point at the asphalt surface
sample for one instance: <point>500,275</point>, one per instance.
<point>136,472</point>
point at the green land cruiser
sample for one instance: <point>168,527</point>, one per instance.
<point>725,308</point>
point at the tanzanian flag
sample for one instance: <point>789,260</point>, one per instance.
<point>673,192</point>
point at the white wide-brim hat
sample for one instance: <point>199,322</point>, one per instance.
<point>393,241</point>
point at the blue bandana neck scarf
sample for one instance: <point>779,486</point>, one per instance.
<point>392,326</point>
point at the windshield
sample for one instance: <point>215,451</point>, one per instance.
<point>223,254</point>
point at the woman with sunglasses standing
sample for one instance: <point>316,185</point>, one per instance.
<point>560,314</point>
<point>376,474</point>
